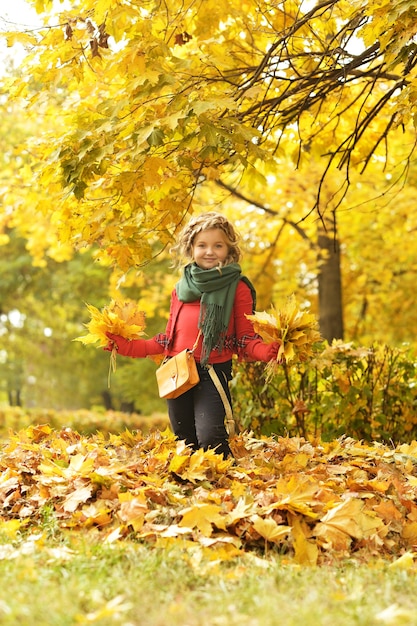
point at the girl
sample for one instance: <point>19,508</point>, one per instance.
<point>214,297</point>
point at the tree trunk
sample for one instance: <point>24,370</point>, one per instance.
<point>14,396</point>
<point>330,285</point>
<point>107,400</point>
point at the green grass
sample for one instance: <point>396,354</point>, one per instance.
<point>70,580</point>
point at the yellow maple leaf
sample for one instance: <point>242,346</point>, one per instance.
<point>294,329</point>
<point>202,516</point>
<point>177,462</point>
<point>11,528</point>
<point>133,508</point>
<point>405,561</point>
<point>306,552</point>
<point>270,530</point>
<point>119,317</point>
<point>297,494</point>
<point>347,520</point>
<point>266,325</point>
<point>240,511</point>
<point>78,496</point>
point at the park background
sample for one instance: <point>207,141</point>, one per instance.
<point>297,121</point>
<point>308,147</point>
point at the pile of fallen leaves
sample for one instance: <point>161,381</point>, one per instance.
<point>313,503</point>
<point>296,330</point>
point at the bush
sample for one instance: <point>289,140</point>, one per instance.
<point>82,421</point>
<point>366,393</point>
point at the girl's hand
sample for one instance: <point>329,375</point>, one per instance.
<point>112,343</point>
<point>272,351</point>
<point>135,348</point>
<point>266,351</point>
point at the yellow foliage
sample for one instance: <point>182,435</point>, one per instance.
<point>120,318</point>
<point>294,329</point>
<point>119,147</point>
<point>25,39</point>
<point>159,97</point>
<point>141,484</point>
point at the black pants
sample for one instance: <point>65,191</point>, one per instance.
<point>197,416</point>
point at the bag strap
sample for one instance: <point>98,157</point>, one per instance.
<point>230,422</point>
<point>196,342</point>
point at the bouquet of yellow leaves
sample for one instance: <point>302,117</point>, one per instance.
<point>120,318</point>
<point>295,330</point>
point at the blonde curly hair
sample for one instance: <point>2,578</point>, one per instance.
<point>183,249</point>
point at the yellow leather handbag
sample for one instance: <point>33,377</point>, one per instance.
<point>178,374</point>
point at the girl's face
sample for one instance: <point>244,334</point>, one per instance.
<point>210,248</point>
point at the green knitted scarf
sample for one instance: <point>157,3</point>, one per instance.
<point>216,288</point>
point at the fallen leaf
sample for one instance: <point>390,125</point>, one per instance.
<point>406,561</point>
<point>203,517</point>
<point>270,530</point>
<point>74,499</point>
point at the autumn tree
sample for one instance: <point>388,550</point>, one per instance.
<point>158,100</point>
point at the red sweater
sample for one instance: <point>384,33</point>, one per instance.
<point>182,330</point>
